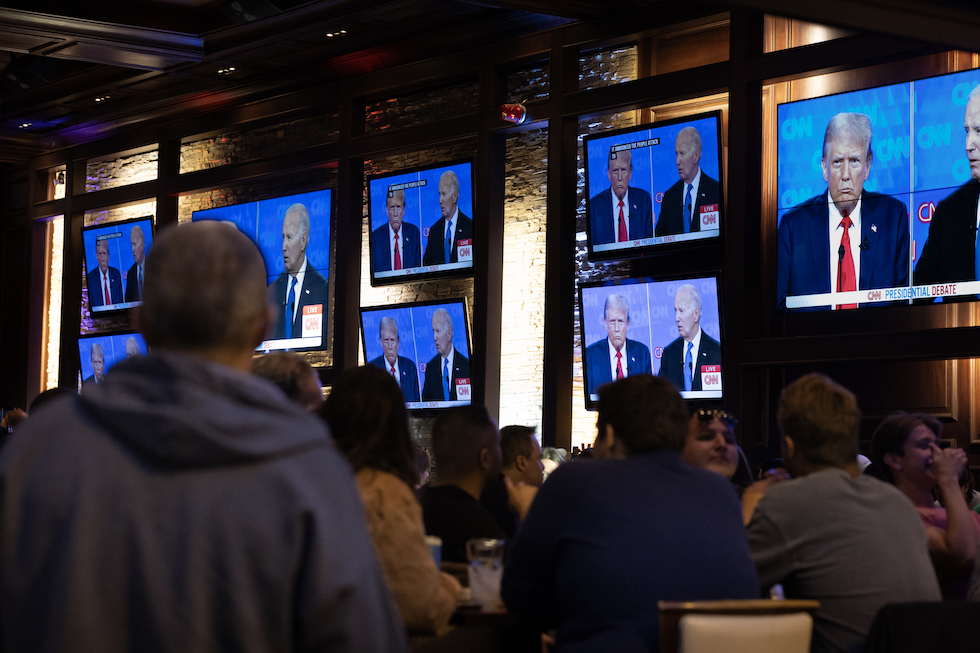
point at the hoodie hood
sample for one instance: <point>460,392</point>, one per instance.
<point>178,410</point>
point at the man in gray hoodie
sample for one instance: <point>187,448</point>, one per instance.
<point>184,505</point>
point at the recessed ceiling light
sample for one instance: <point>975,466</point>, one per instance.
<point>341,32</point>
<point>226,71</point>
<point>25,125</point>
<point>102,98</point>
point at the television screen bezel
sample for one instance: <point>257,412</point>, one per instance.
<point>111,334</point>
<point>425,410</point>
<point>424,274</point>
<point>115,309</point>
<point>670,243</point>
<point>592,404</point>
<point>329,322</point>
<point>807,317</point>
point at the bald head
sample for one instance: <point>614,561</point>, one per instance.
<point>204,291</point>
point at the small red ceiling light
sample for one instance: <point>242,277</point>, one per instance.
<point>515,113</point>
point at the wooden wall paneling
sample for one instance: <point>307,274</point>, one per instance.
<point>560,276</point>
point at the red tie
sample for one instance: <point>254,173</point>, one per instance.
<point>105,284</point>
<point>619,364</point>
<point>622,224</point>
<point>393,375</point>
<point>398,256</point>
<point>845,275</point>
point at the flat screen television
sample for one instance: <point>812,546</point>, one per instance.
<point>911,205</point>
<point>421,223</point>
<point>293,234</point>
<point>428,345</point>
<point>646,326</point>
<point>654,185</point>
<point>97,354</point>
<point>114,258</point>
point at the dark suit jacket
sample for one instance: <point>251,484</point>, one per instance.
<point>598,370</point>
<point>90,380</point>
<point>432,390</point>
<point>381,248</point>
<point>948,253</point>
<point>314,291</point>
<point>603,222</point>
<point>409,374</point>
<point>435,246</point>
<point>133,283</point>
<point>803,260</point>
<point>671,220</point>
<point>672,361</point>
<point>96,294</point>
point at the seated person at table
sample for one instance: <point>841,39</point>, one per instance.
<point>466,449</point>
<point>521,464</point>
<point>832,534</point>
<point>905,450</point>
<point>606,539</point>
<point>367,417</point>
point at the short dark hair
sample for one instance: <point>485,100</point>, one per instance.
<point>205,288</point>
<point>822,418</point>
<point>646,413</point>
<point>458,436</point>
<point>515,441</point>
<point>284,369</point>
<point>367,418</point>
<point>892,434</point>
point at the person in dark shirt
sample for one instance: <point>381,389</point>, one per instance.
<point>521,464</point>
<point>606,539</point>
<point>466,449</point>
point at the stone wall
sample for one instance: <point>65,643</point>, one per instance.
<point>246,145</point>
<point>121,171</point>
<point>423,107</point>
<point>522,328</point>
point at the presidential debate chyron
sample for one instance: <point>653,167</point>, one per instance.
<point>877,196</point>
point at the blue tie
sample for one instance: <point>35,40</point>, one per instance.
<point>140,270</point>
<point>688,371</point>
<point>449,240</point>
<point>687,209</point>
<point>290,302</point>
<point>445,379</point>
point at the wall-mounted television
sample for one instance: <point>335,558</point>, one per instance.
<point>896,225</point>
<point>670,328</point>
<point>654,185</point>
<point>114,257</point>
<point>421,223</point>
<point>293,234</point>
<point>97,354</point>
<point>425,346</point>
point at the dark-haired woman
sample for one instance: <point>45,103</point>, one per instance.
<point>367,417</point>
<point>905,451</point>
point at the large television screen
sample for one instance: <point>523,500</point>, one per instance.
<point>670,328</point>
<point>654,185</point>
<point>97,354</point>
<point>293,235</point>
<point>421,223</point>
<point>114,258</point>
<point>426,347</point>
<point>887,220</point>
